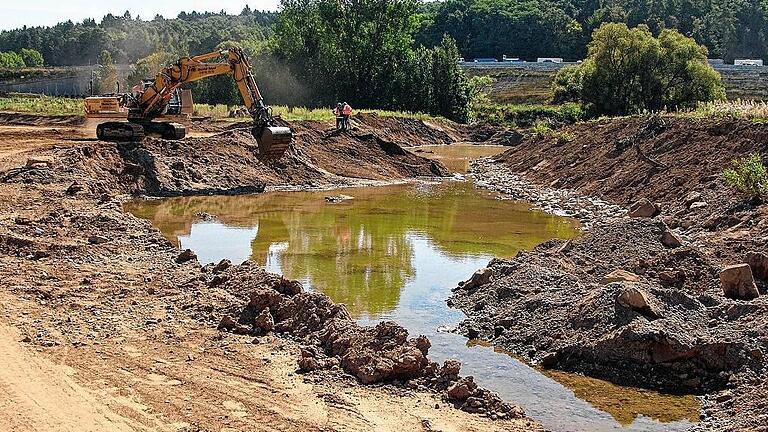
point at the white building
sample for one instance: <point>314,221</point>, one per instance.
<point>748,62</point>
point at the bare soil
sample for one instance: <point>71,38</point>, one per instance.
<point>663,320</point>
<point>107,326</point>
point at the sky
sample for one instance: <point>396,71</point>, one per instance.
<point>17,13</point>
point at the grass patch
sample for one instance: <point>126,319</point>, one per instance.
<point>44,105</point>
<point>738,109</point>
<point>525,116</point>
<point>221,112</point>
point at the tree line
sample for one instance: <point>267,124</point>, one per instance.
<point>129,39</point>
<point>563,28</point>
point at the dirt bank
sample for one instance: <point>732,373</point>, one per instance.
<point>136,336</point>
<point>639,300</point>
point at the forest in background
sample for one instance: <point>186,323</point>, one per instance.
<point>481,28</point>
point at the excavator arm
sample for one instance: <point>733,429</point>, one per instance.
<point>154,99</point>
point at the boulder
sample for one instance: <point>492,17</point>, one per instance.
<point>692,198</point>
<point>97,239</point>
<point>481,277</point>
<point>670,239</point>
<point>637,300</point>
<point>186,255</point>
<point>462,389</point>
<point>450,369</point>
<point>264,322</point>
<point>737,282</point>
<point>698,205</point>
<point>758,262</point>
<point>619,276</point>
<point>643,208</point>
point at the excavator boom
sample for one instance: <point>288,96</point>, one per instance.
<point>152,99</point>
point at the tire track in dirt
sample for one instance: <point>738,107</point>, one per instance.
<point>39,396</point>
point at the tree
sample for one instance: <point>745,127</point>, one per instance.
<point>32,58</point>
<point>11,60</point>
<point>628,71</point>
<point>106,74</point>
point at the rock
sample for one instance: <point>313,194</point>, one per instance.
<point>672,277</point>
<point>222,265</point>
<point>264,322</point>
<point>450,369</point>
<point>462,389</point>
<point>737,282</point>
<point>567,246</point>
<point>758,262</point>
<point>39,162</point>
<point>97,239</point>
<point>698,205</point>
<point>338,198</point>
<point>643,208</point>
<point>74,188</point>
<point>481,277</point>
<point>619,276</point>
<point>670,239</point>
<point>186,255</point>
<point>691,198</point>
<point>227,323</point>
<point>637,300</point>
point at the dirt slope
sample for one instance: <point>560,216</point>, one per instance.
<point>639,300</point>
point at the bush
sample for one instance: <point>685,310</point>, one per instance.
<point>32,58</point>
<point>11,60</point>
<point>628,71</point>
<point>748,176</point>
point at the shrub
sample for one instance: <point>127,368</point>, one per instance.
<point>31,57</point>
<point>748,175</point>
<point>629,71</point>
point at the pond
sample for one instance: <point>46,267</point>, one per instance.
<point>395,252</point>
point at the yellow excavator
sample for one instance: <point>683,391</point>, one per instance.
<point>161,99</point>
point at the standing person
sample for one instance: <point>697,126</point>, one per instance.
<point>346,111</point>
<point>338,112</point>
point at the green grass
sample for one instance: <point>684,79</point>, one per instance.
<point>48,105</point>
<point>221,112</point>
<point>42,105</point>
<point>526,116</point>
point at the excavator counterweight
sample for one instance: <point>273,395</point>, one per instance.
<point>134,115</point>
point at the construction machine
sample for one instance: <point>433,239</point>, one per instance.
<point>150,105</point>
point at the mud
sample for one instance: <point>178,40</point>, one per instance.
<point>88,283</point>
<point>637,301</point>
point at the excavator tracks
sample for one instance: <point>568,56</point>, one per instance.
<point>130,131</point>
<point>120,131</point>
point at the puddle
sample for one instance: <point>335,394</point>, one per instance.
<point>456,157</point>
<point>395,252</point>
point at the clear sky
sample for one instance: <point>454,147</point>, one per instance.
<point>17,13</point>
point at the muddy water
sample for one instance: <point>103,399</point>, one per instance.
<point>456,157</point>
<point>394,253</point>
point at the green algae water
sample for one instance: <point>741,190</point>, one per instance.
<point>395,252</point>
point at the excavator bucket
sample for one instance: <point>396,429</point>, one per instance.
<point>273,141</point>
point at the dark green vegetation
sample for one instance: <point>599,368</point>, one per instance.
<point>363,51</point>
<point>24,58</point>
<point>629,71</point>
<point>748,176</point>
<point>562,28</point>
<point>129,39</point>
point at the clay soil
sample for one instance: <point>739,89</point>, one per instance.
<point>639,300</point>
<point>106,326</point>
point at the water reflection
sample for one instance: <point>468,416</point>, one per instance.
<point>358,251</point>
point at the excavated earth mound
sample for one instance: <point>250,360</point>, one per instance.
<point>642,301</point>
